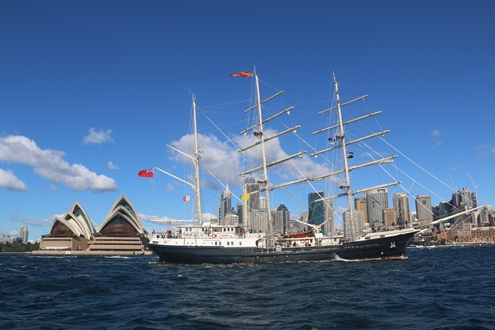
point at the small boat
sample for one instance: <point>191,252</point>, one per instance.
<point>226,244</point>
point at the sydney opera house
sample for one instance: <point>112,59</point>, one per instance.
<point>120,234</point>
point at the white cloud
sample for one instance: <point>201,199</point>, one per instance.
<point>8,232</point>
<point>485,150</point>
<point>223,161</point>
<point>32,222</point>
<point>48,220</point>
<point>435,133</point>
<point>218,157</point>
<point>98,137</point>
<point>112,166</point>
<point>50,165</point>
<point>9,181</point>
<point>145,217</point>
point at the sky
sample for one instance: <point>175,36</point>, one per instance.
<point>91,92</point>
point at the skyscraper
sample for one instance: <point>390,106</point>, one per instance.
<point>321,211</point>
<point>376,202</point>
<point>424,212</point>
<point>464,199</point>
<point>225,205</point>
<point>23,234</point>
<point>389,217</point>
<point>316,208</point>
<point>329,227</point>
<point>353,225</point>
<point>402,210</point>
<point>281,219</point>
<point>360,205</point>
<point>251,198</point>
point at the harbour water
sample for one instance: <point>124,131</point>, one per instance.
<point>442,288</point>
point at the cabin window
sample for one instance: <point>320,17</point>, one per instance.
<point>240,243</point>
<point>232,243</point>
<point>227,243</point>
<point>215,243</point>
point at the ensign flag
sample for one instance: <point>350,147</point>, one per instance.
<point>243,74</point>
<point>146,173</point>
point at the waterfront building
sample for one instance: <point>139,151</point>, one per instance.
<point>460,232</point>
<point>402,210</point>
<point>483,235</point>
<point>376,202</point>
<point>121,232</point>
<point>424,211</point>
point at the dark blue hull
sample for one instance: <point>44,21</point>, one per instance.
<point>381,248</point>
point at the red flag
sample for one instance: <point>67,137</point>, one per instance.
<point>146,173</point>
<point>243,74</point>
<point>186,198</point>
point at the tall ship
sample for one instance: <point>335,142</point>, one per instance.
<point>224,243</point>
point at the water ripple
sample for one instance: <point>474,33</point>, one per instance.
<point>450,288</point>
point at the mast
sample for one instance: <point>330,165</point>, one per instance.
<point>197,178</point>
<point>258,131</point>
<point>264,181</point>
<point>347,184</point>
<point>351,227</point>
<point>195,160</point>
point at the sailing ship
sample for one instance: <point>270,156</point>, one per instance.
<point>226,243</point>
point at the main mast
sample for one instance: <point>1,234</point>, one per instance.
<point>347,184</point>
<point>258,131</point>
<point>264,181</point>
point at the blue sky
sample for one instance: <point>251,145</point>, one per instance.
<point>92,91</point>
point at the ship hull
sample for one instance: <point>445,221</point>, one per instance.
<point>393,247</point>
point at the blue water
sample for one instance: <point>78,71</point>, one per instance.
<point>443,288</point>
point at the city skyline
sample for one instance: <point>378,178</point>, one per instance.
<point>92,93</point>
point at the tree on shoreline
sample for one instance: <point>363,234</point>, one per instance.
<point>18,247</point>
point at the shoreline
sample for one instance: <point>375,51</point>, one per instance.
<point>92,253</point>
